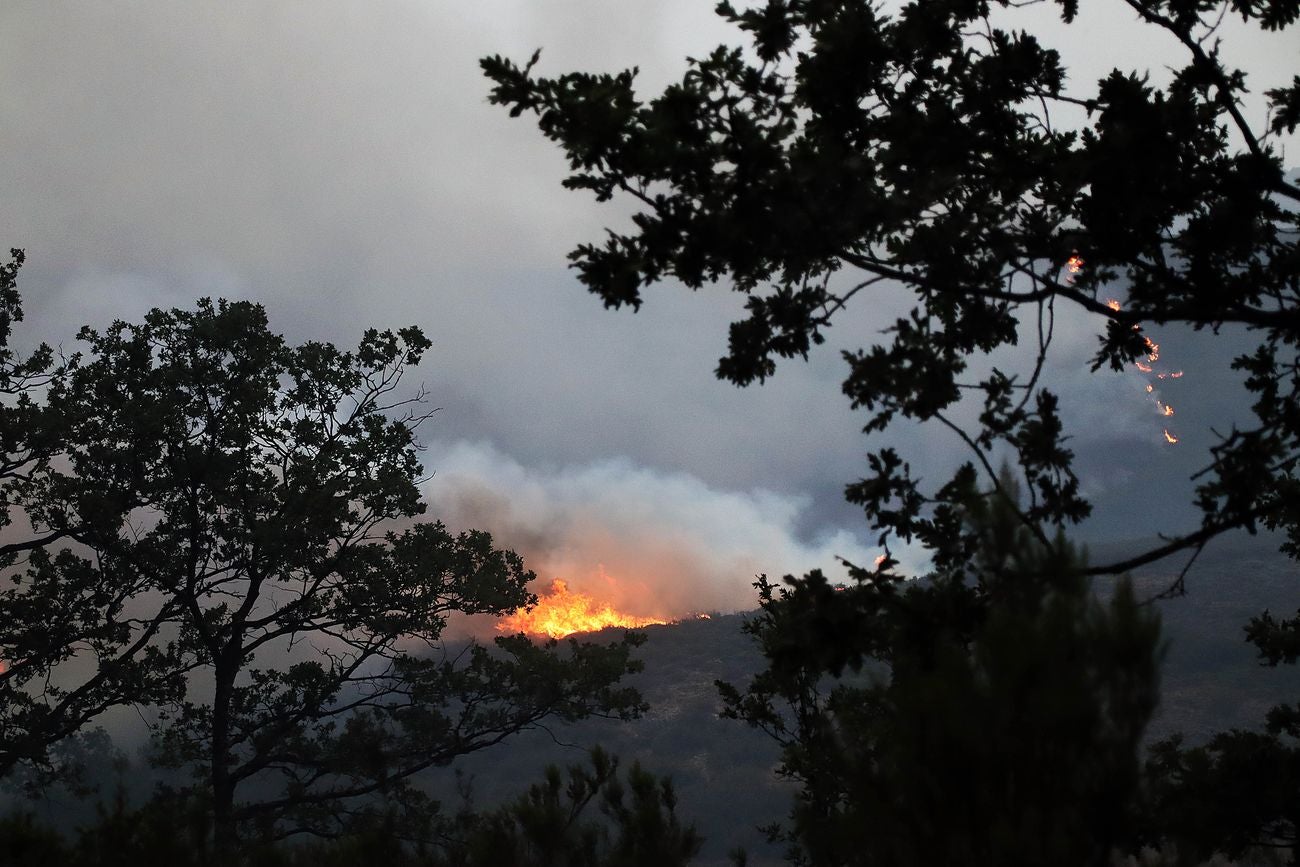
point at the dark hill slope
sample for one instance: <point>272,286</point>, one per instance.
<point>723,769</point>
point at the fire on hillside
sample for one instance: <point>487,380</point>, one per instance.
<point>560,612</point>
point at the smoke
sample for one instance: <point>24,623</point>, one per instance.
<point>653,543</point>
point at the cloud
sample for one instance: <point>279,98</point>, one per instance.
<point>655,543</point>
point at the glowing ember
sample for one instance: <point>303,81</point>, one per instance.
<point>1073,266</point>
<point>560,612</point>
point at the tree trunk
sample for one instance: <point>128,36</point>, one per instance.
<point>225,840</point>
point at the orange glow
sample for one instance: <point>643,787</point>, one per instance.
<point>1146,368</point>
<point>1112,303</point>
<point>1074,265</point>
<point>1150,388</point>
<point>560,612</point>
<point>1153,350</point>
<point>1166,409</point>
<point>1170,438</point>
<point>1175,375</point>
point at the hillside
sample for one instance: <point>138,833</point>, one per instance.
<point>723,770</point>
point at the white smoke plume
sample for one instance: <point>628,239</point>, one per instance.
<point>652,543</point>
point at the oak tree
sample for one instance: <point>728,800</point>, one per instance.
<point>243,517</point>
<point>847,147</point>
<point>48,613</point>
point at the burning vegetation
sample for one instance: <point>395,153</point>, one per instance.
<point>1073,266</point>
<point>560,612</point>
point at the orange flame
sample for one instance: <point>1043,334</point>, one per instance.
<point>1074,265</point>
<point>560,612</point>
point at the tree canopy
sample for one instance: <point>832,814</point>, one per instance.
<point>952,721</point>
<point>243,552</point>
<point>846,146</point>
<point>990,712</point>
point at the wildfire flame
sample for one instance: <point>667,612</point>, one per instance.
<point>1074,265</point>
<point>560,612</point>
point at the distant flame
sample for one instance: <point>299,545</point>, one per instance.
<point>1073,266</point>
<point>560,612</point>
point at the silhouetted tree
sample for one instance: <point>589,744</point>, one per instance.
<point>243,513</point>
<point>552,824</point>
<point>1241,790</point>
<point>48,613</point>
<point>989,714</point>
<point>589,816</point>
<point>847,148</point>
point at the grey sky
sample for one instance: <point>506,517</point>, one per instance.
<point>339,163</point>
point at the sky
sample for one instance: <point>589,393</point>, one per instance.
<point>338,162</point>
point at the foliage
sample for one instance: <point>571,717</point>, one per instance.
<point>550,824</point>
<point>847,146</point>
<point>1241,790</point>
<point>46,615</point>
<point>988,715</point>
<point>850,148</point>
<point>247,558</point>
